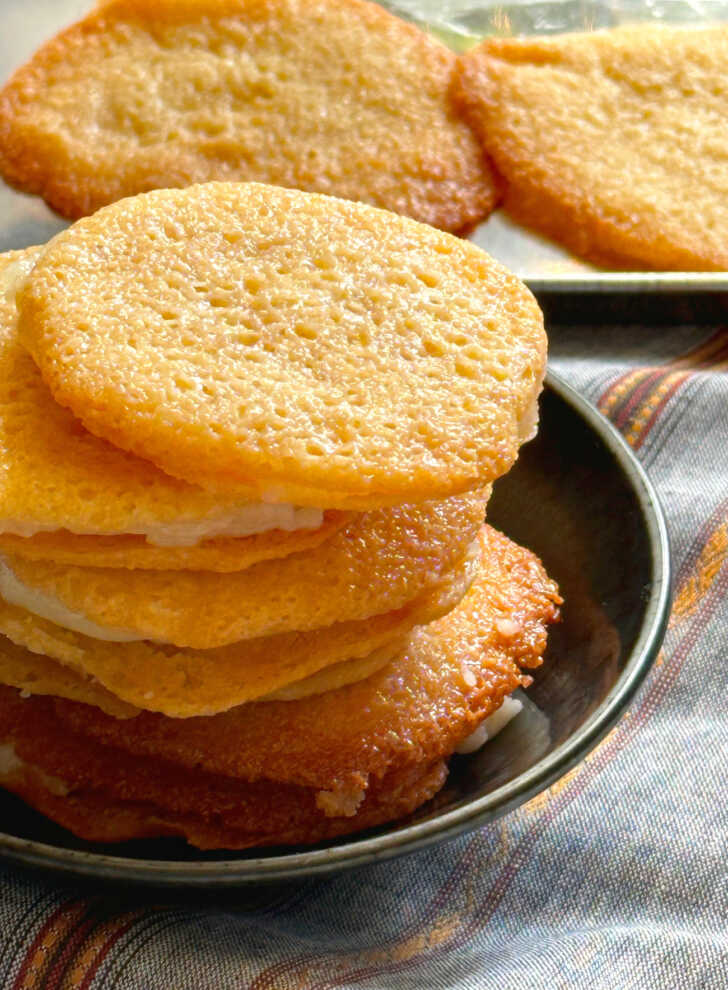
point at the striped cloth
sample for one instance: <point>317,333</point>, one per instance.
<point>615,878</point>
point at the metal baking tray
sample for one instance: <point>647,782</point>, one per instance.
<point>545,266</point>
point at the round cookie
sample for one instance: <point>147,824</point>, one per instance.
<point>290,771</point>
<point>377,563</point>
<point>59,484</point>
<point>288,347</point>
<point>185,682</point>
<point>105,795</point>
<point>611,142</point>
<point>223,554</point>
<point>455,673</point>
<point>333,96</point>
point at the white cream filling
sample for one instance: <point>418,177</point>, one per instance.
<point>528,421</point>
<point>491,726</point>
<point>49,607</point>
<point>245,520</point>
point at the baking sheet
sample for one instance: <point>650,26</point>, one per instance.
<point>544,265</point>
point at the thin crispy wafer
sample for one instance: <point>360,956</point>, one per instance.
<point>286,346</point>
<point>333,96</point>
<point>613,143</point>
<point>57,477</point>
<point>377,563</point>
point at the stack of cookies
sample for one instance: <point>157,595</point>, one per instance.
<point>248,596</point>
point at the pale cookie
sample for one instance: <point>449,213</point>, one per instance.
<point>332,96</point>
<point>185,682</point>
<point>380,561</point>
<point>59,483</point>
<point>613,143</point>
<point>287,346</point>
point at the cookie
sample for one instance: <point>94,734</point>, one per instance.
<point>186,682</point>
<point>298,771</point>
<point>456,672</point>
<point>287,347</point>
<point>332,96</point>
<point>377,563</point>
<point>35,674</point>
<point>613,142</point>
<point>133,798</point>
<point>66,495</point>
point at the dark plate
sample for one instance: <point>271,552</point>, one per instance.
<point>581,501</point>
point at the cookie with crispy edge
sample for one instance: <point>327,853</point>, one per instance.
<point>185,682</point>
<point>291,771</point>
<point>222,554</point>
<point>136,798</point>
<point>56,476</point>
<point>35,674</point>
<point>455,672</point>
<point>377,563</point>
<point>332,96</point>
<point>613,142</point>
<point>286,346</point>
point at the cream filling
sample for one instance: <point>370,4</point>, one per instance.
<point>528,420</point>
<point>491,726</point>
<point>243,520</point>
<point>51,608</point>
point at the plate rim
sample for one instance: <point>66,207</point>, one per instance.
<point>233,872</point>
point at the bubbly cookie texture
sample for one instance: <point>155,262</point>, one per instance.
<point>377,563</point>
<point>286,346</point>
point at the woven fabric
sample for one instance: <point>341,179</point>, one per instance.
<point>615,878</point>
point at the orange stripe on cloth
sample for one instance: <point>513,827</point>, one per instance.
<point>634,401</point>
<point>45,946</point>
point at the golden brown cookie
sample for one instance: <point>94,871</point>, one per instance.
<point>377,563</point>
<point>455,673</point>
<point>299,771</point>
<point>105,795</point>
<point>287,347</point>
<point>59,483</point>
<point>333,96</point>
<point>222,554</point>
<point>35,674</point>
<point>187,682</point>
<point>612,143</point>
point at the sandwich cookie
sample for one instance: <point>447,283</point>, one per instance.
<point>185,682</point>
<point>377,563</point>
<point>273,772</point>
<point>287,347</point>
<point>66,495</point>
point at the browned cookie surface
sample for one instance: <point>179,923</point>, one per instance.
<point>455,673</point>
<point>377,563</point>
